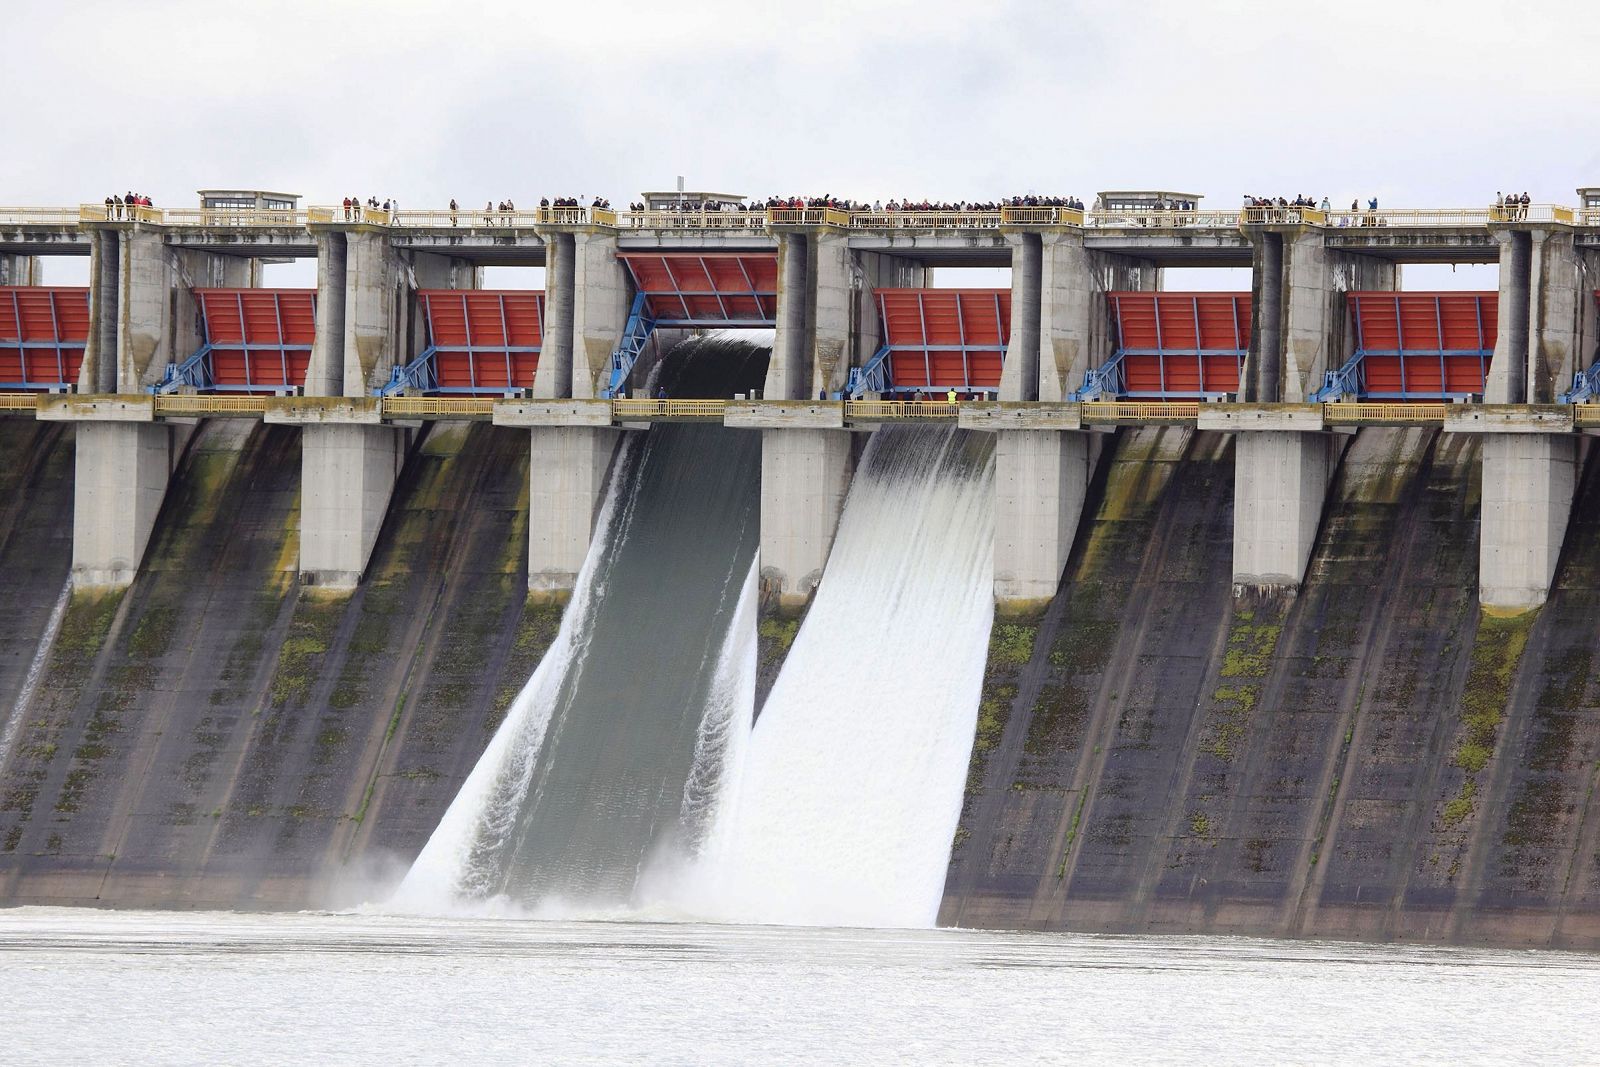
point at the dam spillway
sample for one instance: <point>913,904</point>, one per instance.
<point>1263,661</point>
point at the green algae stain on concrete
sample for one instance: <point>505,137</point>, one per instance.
<point>1246,661</point>
<point>1011,646</point>
<point>304,647</point>
<point>536,632</point>
<point>1497,650</point>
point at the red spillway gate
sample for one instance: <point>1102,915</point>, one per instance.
<point>941,339</point>
<point>1423,346</point>
<point>257,340</point>
<point>43,332</point>
<point>1176,345</point>
<point>731,289</point>
<point>483,340</point>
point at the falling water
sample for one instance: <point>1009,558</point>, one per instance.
<point>851,789</point>
<point>610,757</point>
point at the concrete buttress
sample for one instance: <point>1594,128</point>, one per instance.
<point>348,471</point>
<point>1280,483</point>
<point>1075,333</point>
<point>1528,484</point>
<point>805,474</point>
<point>789,369</point>
<point>1041,477</point>
<point>566,485</point>
<point>121,477</point>
<point>377,293</point>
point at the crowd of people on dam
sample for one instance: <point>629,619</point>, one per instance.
<point>121,207</point>
<point>355,208</point>
<point>1511,207</point>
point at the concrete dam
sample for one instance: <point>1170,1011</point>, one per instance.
<point>1082,603</point>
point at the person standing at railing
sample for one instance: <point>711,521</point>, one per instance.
<point>109,209</point>
<point>950,397</point>
<point>452,211</point>
<point>1522,205</point>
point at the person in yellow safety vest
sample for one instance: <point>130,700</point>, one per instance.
<point>950,397</point>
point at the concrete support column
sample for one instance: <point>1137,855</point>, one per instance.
<point>566,484</point>
<point>1561,312</point>
<point>17,269</point>
<point>879,272</point>
<point>99,371</point>
<point>789,370</point>
<point>196,269</point>
<point>836,289</point>
<point>325,372</point>
<point>1075,331</point>
<point>147,278</point>
<point>1508,370</point>
<point>1280,483</point>
<point>1528,483</point>
<point>602,293</point>
<point>1019,375</point>
<point>1318,336</point>
<point>553,380</point>
<point>377,291</point>
<point>804,477</point>
<point>348,473</point>
<point>121,477</point>
<point>1041,477</point>
<point>1264,366</point>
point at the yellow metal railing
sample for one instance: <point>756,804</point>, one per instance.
<point>900,409</point>
<point>1534,213</point>
<point>1411,217</point>
<point>1586,414</point>
<point>1384,413</point>
<point>124,213</point>
<point>924,220</point>
<point>1140,410</point>
<point>1163,220</point>
<point>753,220</point>
<point>668,409</point>
<point>19,401</point>
<point>807,216</point>
<point>437,407</point>
<point>209,404</point>
<point>1286,215</point>
<point>1590,217</point>
<point>232,217</point>
<point>1041,216</point>
<point>42,216</point>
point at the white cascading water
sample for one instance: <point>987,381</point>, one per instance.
<point>850,791</point>
<point>451,870</point>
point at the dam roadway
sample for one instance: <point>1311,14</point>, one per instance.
<point>1269,659</point>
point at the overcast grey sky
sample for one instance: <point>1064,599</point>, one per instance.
<point>1415,102</point>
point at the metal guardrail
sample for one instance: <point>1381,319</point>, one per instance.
<point>1163,220</point>
<point>924,220</point>
<point>751,221</point>
<point>1590,217</point>
<point>1140,410</point>
<point>41,216</point>
<point>1356,413</point>
<point>900,409</point>
<point>1041,216</point>
<point>1586,414</point>
<point>807,216</point>
<point>436,407</point>
<point>202,404</point>
<point>1284,215</point>
<point>668,409</point>
<point>19,401</point>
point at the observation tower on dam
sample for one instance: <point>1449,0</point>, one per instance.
<point>176,326</point>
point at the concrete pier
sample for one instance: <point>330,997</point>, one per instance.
<point>1019,375</point>
<point>789,369</point>
<point>566,487</point>
<point>805,474</point>
<point>553,379</point>
<point>1316,334</point>
<point>1280,483</point>
<point>18,269</point>
<point>603,291</point>
<point>348,473</point>
<point>1071,323</point>
<point>1041,477</point>
<point>120,480</point>
<point>1528,484</point>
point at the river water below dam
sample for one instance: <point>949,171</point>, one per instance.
<point>108,987</point>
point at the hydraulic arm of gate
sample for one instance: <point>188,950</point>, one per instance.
<point>874,377</point>
<point>634,335</point>
<point>1585,386</point>
<point>1348,380</point>
<point>1104,380</point>
<point>420,374</point>
<point>194,373</point>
